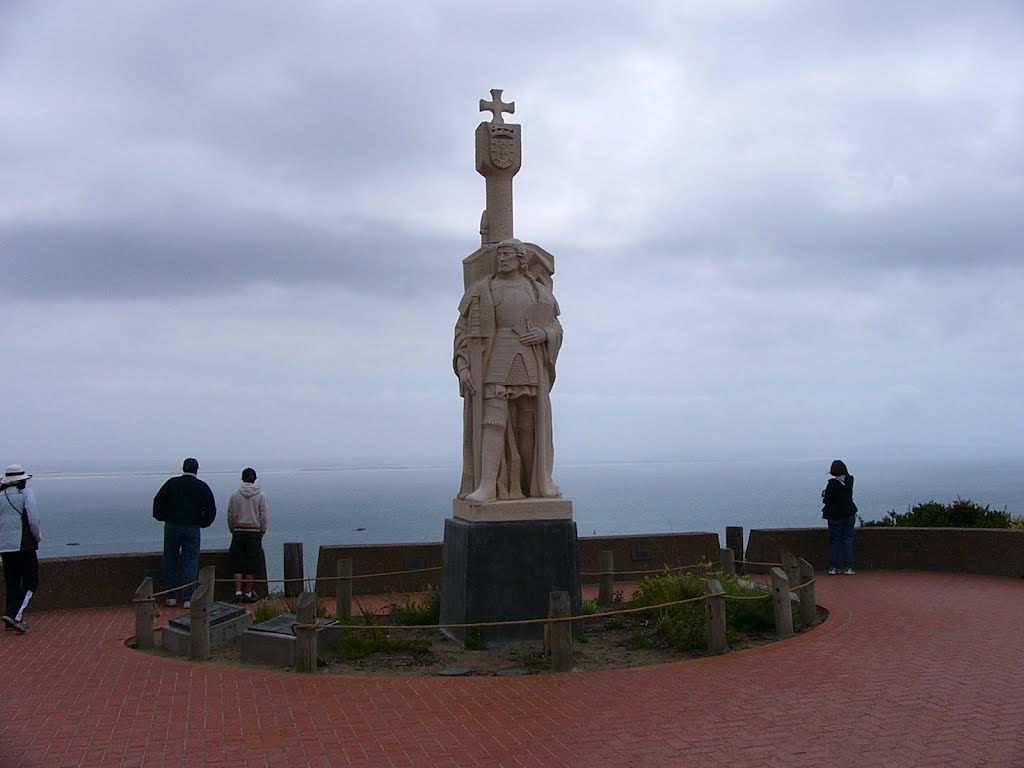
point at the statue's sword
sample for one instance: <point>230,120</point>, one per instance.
<point>476,366</point>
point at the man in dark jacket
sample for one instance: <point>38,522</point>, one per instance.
<point>184,504</point>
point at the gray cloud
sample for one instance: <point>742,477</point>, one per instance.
<point>775,224</point>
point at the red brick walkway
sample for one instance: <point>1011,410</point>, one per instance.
<point>912,669</point>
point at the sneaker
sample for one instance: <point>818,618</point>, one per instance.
<point>18,626</point>
<point>250,598</point>
<point>8,622</point>
<point>187,604</point>
<point>849,572</point>
<point>238,597</point>
<point>833,571</point>
<point>170,602</point>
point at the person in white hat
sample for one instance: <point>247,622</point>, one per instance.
<point>19,540</point>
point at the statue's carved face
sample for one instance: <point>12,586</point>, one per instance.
<point>508,260</point>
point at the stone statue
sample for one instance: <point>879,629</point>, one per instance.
<point>506,344</point>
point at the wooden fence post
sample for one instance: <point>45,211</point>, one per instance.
<point>605,564</point>
<point>728,561</point>
<point>305,637</point>
<point>293,584</point>
<point>715,607</point>
<point>207,578</point>
<point>780,597</point>
<point>734,541</point>
<point>199,624</point>
<point>792,568</point>
<point>343,609</point>
<point>808,597</point>
<point>144,614</point>
<point>561,632</point>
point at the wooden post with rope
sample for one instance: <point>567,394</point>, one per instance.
<point>715,607</point>
<point>728,561</point>
<point>734,541</point>
<point>561,632</point>
<point>208,579</point>
<point>808,598</point>
<point>144,614</point>
<point>305,636</point>
<point>606,565</point>
<point>780,598</point>
<point>293,569</point>
<point>792,567</point>
<point>343,610</point>
<point>199,623</point>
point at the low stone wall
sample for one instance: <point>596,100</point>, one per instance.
<point>649,553</point>
<point>995,552</point>
<point>98,580</point>
<point>89,581</point>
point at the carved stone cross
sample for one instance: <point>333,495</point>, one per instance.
<point>496,106</point>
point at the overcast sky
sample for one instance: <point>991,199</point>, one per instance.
<point>235,229</point>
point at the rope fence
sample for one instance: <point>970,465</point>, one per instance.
<point>784,583</point>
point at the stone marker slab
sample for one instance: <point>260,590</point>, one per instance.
<point>273,641</point>
<point>227,623</point>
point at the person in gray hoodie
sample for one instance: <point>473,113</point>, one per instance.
<point>248,516</point>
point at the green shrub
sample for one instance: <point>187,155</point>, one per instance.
<point>684,627</point>
<point>413,613</point>
<point>265,610</point>
<point>589,608</point>
<point>357,643</point>
<point>961,513</point>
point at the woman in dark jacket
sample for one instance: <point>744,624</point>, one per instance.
<point>840,511</point>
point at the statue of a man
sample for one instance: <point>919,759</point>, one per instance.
<point>506,343</point>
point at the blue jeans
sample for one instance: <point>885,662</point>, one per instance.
<point>840,534</point>
<point>181,547</point>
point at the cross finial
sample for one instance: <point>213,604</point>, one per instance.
<point>496,106</point>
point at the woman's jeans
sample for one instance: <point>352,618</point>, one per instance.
<point>181,546</point>
<point>840,534</point>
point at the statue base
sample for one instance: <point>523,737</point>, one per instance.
<point>512,510</point>
<point>505,571</point>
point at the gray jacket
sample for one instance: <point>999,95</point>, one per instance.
<point>12,501</point>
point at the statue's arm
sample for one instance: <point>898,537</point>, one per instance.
<point>460,356</point>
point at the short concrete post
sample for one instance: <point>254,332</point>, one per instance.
<point>606,583</point>
<point>792,568</point>
<point>305,637</point>
<point>728,561</point>
<point>561,632</point>
<point>207,578</point>
<point>715,607</point>
<point>780,597</point>
<point>344,592</point>
<point>199,624</point>
<point>734,541</point>
<point>144,614</point>
<point>293,569</point>
<point>808,598</point>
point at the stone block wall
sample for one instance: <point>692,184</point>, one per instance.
<point>995,552</point>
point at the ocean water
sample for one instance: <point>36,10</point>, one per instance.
<point>99,512</point>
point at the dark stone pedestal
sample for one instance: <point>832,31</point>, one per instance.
<point>504,571</point>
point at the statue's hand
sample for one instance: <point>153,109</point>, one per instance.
<point>534,336</point>
<point>466,383</point>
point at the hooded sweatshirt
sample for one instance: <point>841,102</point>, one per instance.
<point>837,498</point>
<point>247,509</point>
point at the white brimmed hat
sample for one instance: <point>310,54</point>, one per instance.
<point>14,473</point>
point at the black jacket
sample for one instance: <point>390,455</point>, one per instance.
<point>185,500</point>
<point>837,498</point>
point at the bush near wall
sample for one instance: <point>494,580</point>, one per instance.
<point>961,513</point>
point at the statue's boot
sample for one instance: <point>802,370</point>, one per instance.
<point>548,490</point>
<point>493,442</point>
